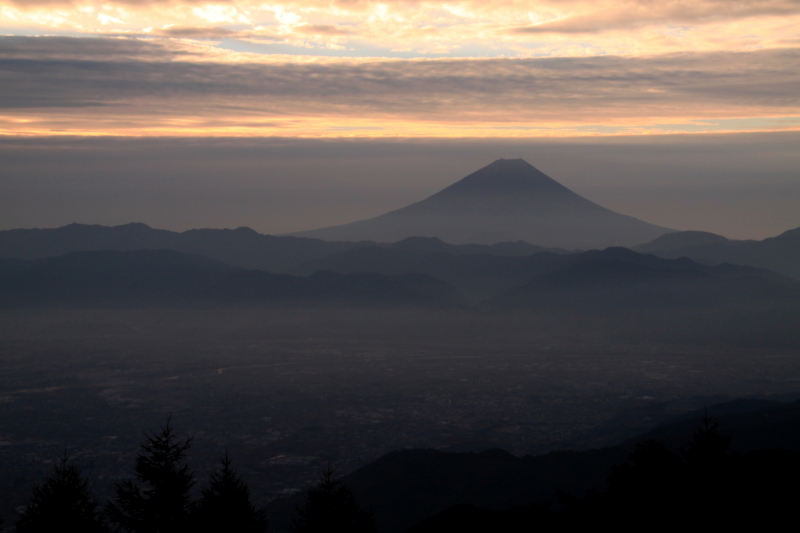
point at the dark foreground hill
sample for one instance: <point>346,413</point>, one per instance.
<point>781,253</point>
<point>508,200</point>
<point>147,278</point>
<point>405,487</point>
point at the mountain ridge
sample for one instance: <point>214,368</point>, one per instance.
<point>780,253</point>
<point>167,278</point>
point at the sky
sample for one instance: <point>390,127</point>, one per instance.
<point>313,113</point>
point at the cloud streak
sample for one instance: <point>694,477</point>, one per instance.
<point>112,86</point>
<point>431,27</point>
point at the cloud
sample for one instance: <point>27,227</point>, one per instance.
<point>607,16</point>
<point>322,29</point>
<point>483,28</point>
<point>73,48</point>
<point>156,87</point>
<point>194,31</point>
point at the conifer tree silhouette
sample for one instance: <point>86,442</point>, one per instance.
<point>225,505</point>
<point>709,447</point>
<point>157,500</point>
<point>331,508</point>
<point>711,470</point>
<point>63,502</point>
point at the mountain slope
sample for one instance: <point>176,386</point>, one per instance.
<point>152,278</point>
<point>507,200</point>
<point>478,275</point>
<point>242,247</point>
<point>618,278</point>
<point>781,253</point>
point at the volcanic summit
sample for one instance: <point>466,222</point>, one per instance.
<point>508,200</point>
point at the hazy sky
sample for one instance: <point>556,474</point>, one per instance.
<point>290,115</point>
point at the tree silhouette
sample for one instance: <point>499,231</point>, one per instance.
<point>62,502</point>
<point>225,504</point>
<point>709,447</point>
<point>712,481</point>
<point>651,472</point>
<point>158,499</point>
<point>331,508</point>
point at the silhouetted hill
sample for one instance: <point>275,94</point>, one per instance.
<point>568,278</point>
<point>405,487</point>
<point>422,245</point>
<point>508,200</point>
<point>479,275</point>
<point>781,253</point>
<point>678,240</point>
<point>618,278</point>
<point>241,247</point>
<point>146,278</point>
<point>9,265</point>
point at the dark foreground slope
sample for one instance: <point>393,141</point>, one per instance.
<point>508,200</point>
<point>147,278</point>
<point>405,487</point>
<point>781,253</point>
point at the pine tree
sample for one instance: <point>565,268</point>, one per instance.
<point>63,502</point>
<point>331,508</point>
<point>225,504</point>
<point>157,500</point>
<point>711,472</point>
<point>709,447</point>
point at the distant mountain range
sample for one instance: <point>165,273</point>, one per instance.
<point>240,247</point>
<point>618,278</point>
<point>151,278</point>
<point>615,276</point>
<point>781,253</point>
<point>405,487</point>
<point>508,200</point>
<point>246,248</point>
<point>512,275</point>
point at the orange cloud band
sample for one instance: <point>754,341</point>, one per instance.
<point>119,87</point>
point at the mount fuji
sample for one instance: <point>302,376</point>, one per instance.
<point>507,200</point>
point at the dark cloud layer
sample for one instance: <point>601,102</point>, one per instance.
<point>45,72</point>
<point>195,31</point>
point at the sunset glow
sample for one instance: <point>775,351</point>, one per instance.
<point>398,68</point>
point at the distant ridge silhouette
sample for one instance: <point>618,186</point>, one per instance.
<point>780,253</point>
<point>166,278</point>
<point>507,200</point>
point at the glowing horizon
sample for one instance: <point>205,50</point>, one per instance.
<point>362,68</point>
